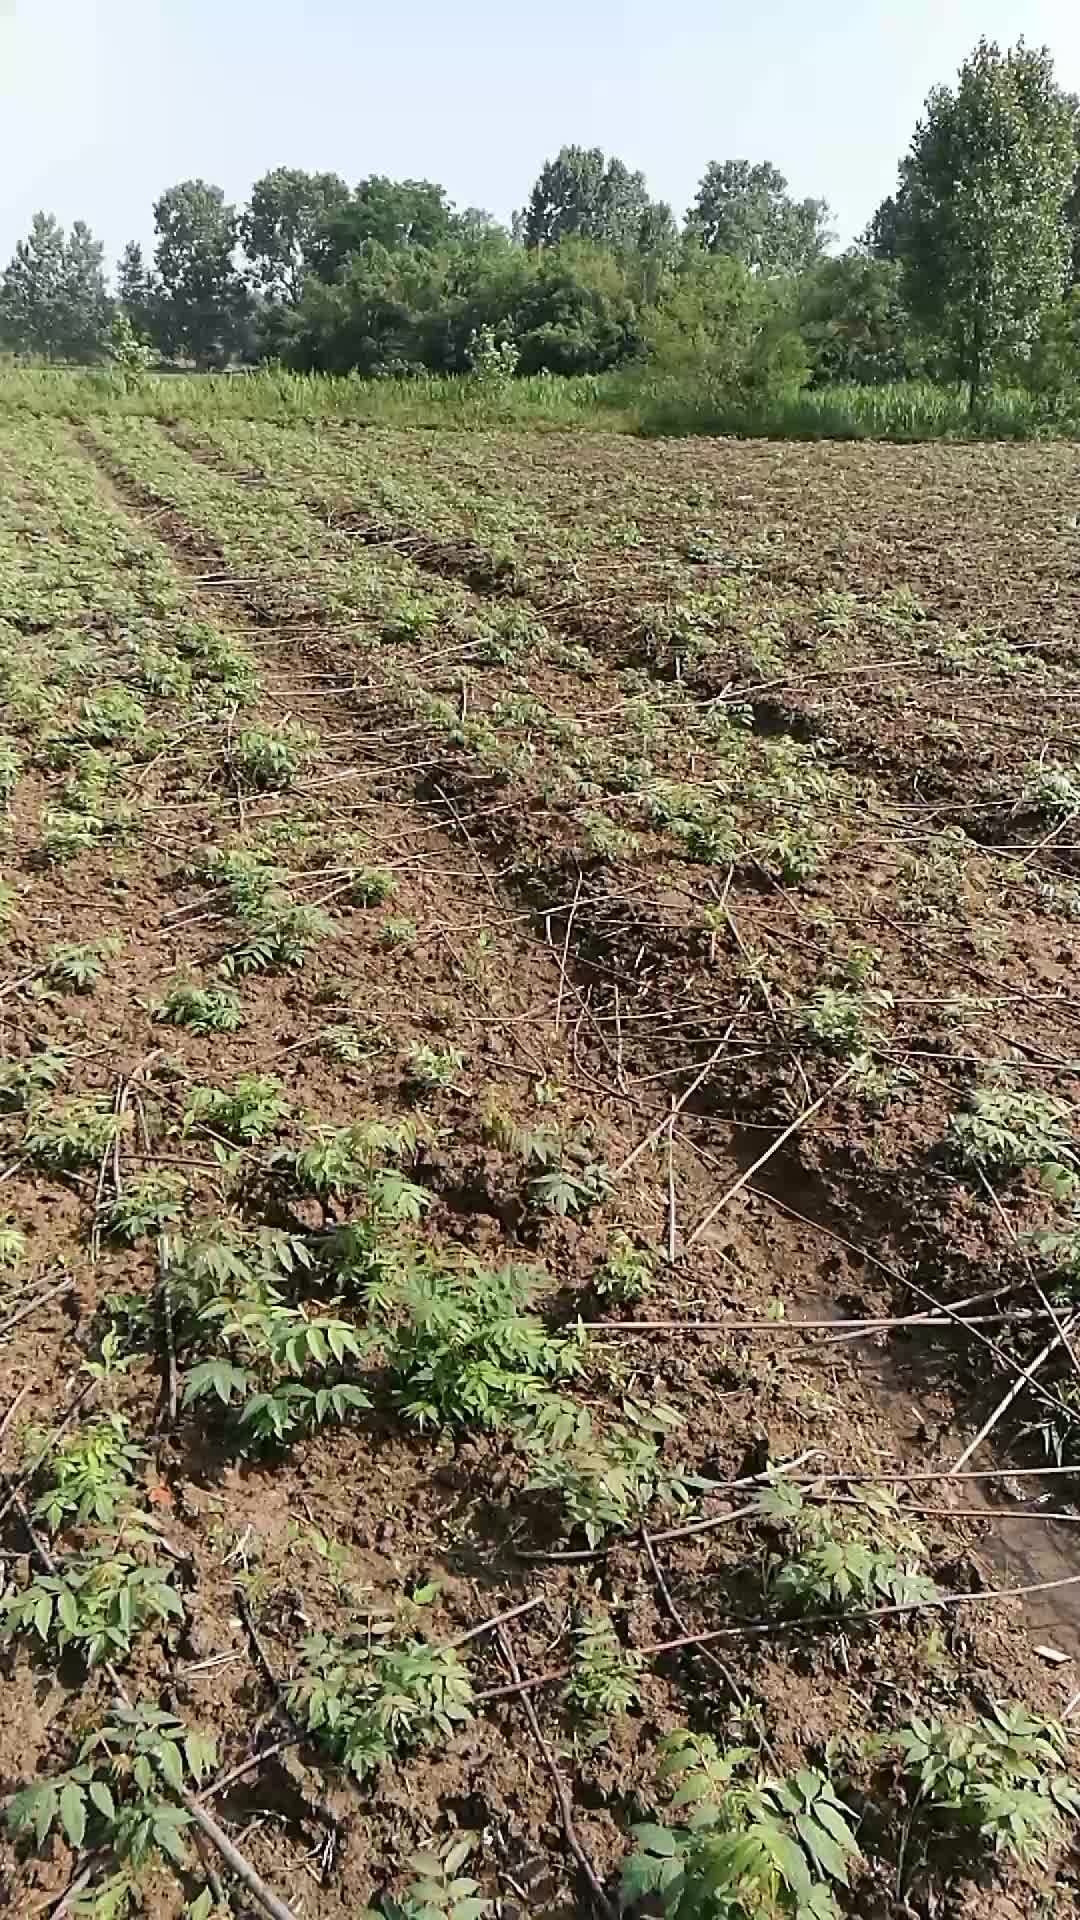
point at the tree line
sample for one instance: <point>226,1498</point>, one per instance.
<point>969,269</point>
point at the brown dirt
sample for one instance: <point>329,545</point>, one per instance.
<point>857,1211</point>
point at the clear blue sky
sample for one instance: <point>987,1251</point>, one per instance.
<point>104,103</point>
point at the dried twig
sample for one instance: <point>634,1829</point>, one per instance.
<point>566,1811</point>
<point>1017,1388</point>
<point>565,952</point>
<point>744,1179</point>
<point>34,1306</point>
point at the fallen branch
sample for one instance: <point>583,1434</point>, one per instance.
<point>1018,1385</point>
<point>781,1140</point>
<point>566,1812</point>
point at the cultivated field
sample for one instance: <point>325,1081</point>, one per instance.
<point>502,930</point>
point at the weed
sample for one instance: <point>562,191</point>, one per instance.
<point>67,835</point>
<point>345,1160</point>
<point>112,715</point>
<point>1053,791</point>
<point>248,877</point>
<point>201,1009</point>
<point>369,1701</point>
<point>752,1846</point>
<point>1005,1777</point>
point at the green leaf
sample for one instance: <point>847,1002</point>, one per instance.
<point>657,1839</point>
<point>102,1799</point>
<point>202,1907</point>
<point>43,1611</point>
<point>73,1813</point>
<point>67,1609</point>
<point>171,1765</point>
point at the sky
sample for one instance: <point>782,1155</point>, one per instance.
<point>105,103</point>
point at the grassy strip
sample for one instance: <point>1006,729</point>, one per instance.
<point>635,401</point>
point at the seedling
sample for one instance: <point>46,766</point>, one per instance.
<point>460,1350</point>
<point>280,938</point>
<point>22,1081</point>
<point>604,1676</point>
<point>398,933</point>
<point>371,887</point>
<point>89,1476</point>
<point>119,1794</point>
<point>440,1891</point>
<point>1006,1130</point>
<point>626,1272</point>
<point>839,1558</point>
<point>200,1009</point>
<point>98,1603</point>
<point>608,1481</point>
<point>271,757</point>
<point>64,1135</point>
<point>12,1242</point>
<point>1005,1777</point>
<point>368,1701</point>
<point>253,1108</point>
<point>752,1845</point>
<point>148,1203</point>
<point>429,1071</point>
<point>78,968</point>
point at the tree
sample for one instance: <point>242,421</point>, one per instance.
<point>747,212</point>
<point>854,321</point>
<point>392,213</point>
<point>53,298</point>
<point>281,224</point>
<point>579,192</point>
<point>984,238</point>
<point>204,302</point>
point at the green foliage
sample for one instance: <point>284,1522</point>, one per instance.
<point>201,1009</point>
<point>603,1675</point>
<point>626,1272</point>
<point>10,767</point>
<point>344,1161</point>
<point>982,232</point>
<point>78,967</point>
<point>119,1795</point>
<point>98,1603</point>
<point>842,1019</point>
<point>460,1350</point>
<point>752,1847</point>
<point>22,1080</point>
<point>745,213</point>
<point>370,1700</point>
<point>253,1108</point>
<point>275,1367</point>
<point>843,1557</point>
<point>607,1481</point>
<point>440,1891</point>
<point>87,1477</point>
<point>429,1071</point>
<point>371,887</point>
<point>12,1242</point>
<point>1006,1778</point>
<point>53,298</point>
<point>1007,1129</point>
<point>147,1203</point>
<point>271,758</point>
<point>280,937</point>
<point>202,303</point>
<point>64,1135</point>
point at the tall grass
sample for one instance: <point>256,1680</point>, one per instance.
<point>636,400</point>
<point>270,393</point>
